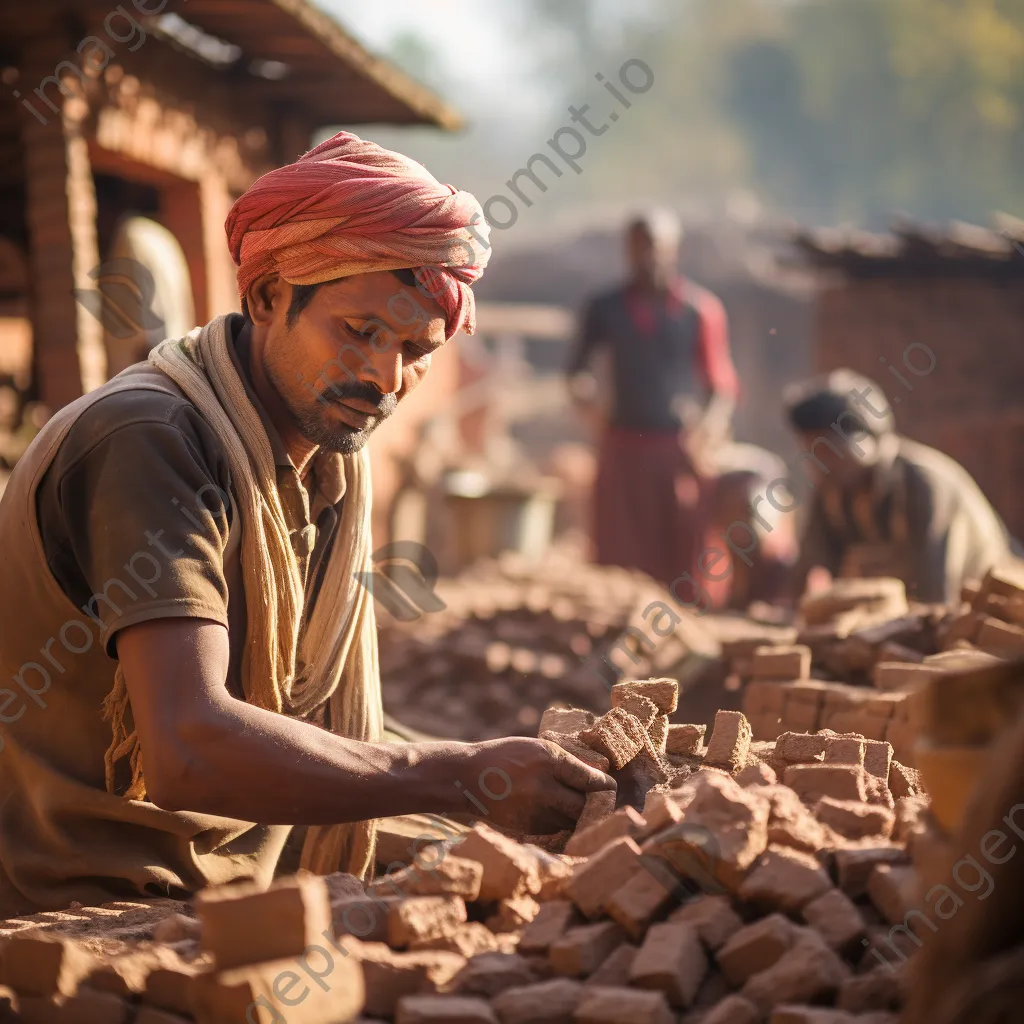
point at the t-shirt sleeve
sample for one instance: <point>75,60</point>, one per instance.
<point>145,516</point>
<point>713,355</point>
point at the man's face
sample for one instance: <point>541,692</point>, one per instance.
<point>652,258</point>
<point>354,352</point>
<point>845,464</point>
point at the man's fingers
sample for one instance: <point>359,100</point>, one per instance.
<point>580,776</point>
<point>565,802</point>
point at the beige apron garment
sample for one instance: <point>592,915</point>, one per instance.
<point>64,835</point>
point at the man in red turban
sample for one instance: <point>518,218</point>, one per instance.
<point>194,659</point>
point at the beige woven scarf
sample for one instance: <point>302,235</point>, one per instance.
<point>334,657</point>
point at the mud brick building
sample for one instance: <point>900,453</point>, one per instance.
<point>170,110</point>
<point>886,301</point>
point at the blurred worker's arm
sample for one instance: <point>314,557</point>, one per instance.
<point>578,368</point>
<point>716,367</point>
<point>207,752</point>
<point>818,548</point>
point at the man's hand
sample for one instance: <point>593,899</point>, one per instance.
<point>530,785</point>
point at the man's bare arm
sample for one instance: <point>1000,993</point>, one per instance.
<point>205,751</point>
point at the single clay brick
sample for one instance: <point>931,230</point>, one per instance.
<point>570,743</point>
<point>637,903</point>
<point>449,876</point>
<point>782,663</point>
<point>565,720</point>
<point>685,739</point>
<point>388,975</point>
<point>276,985</point>
<point>878,989</point>
<point>755,948</point>
<point>837,920</point>
<point>792,824</point>
<point>878,792</point>
<point>548,1002</point>
<point>878,758</point>
<point>758,774</point>
<point>713,917</point>
<point>808,972</point>
<point>488,974</point>
<point>799,747</point>
<point>904,781</point>
<point>671,961</point>
<point>623,822</point>
<point>170,988</point>
<point>423,918</point>
<point>730,740</point>
<point>812,781</point>
<point>465,939</point>
<point>853,819</point>
<point>44,965</point>
<point>844,750</point>
<point>615,968</point>
<point>658,731</point>
<point>551,923</point>
<point>733,1009</point>
<point>617,735</point>
<point>607,1005</point>
<point>555,871</point>
<point>661,810</point>
<point>644,710</point>
<point>854,866</point>
<point>90,1007</point>
<point>443,1010</point>
<point>125,974</point>
<point>513,915</point>
<point>245,924</point>
<point>594,881</point>
<point>784,879</point>
<point>365,917</point>
<point>581,950</point>
<point>892,888</point>
<point>663,692</point>
<point>510,869</point>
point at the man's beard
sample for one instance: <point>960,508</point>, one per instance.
<point>332,435</point>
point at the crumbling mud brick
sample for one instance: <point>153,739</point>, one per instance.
<point>555,870</point>
<point>877,989</point>
<point>644,710</point>
<point>581,950</point>
<point>89,1007</point>
<point>878,758</point>
<point>671,961</point>
<point>835,917</point>
<point>755,948</point>
<point>125,974</point>
<point>663,692</point>
<point>808,972</point>
<point>661,810</point>
<point>844,750</point>
<point>892,888</point>
<point>758,774</point>
<point>658,732</point>
<point>733,1009</point>
<point>904,781</point>
<point>605,1005</point>
<point>422,918</point>
<point>365,917</point>
<point>878,792</point>
<point>565,720</point>
<point>617,735</point>
<point>570,743</point>
<point>179,928</point>
<point>812,781</point>
<point>623,822</point>
<point>792,824</point>
<point>782,663</point>
<point>730,740</point>
<point>1001,637</point>
<point>594,880</point>
<point>43,965</point>
<point>467,940</point>
<point>713,917</point>
<point>509,869</point>
<point>853,819</point>
<point>449,876</point>
<point>784,879</point>
<point>855,865</point>
<point>273,986</point>
<point>639,902</point>
<point>685,740</point>
<point>615,968</point>
<point>444,1010</point>
<point>799,747</point>
<point>170,988</point>
<point>489,974</point>
<point>245,924</point>
<point>547,1002</point>
<point>897,675</point>
<point>552,921</point>
<point>387,975</point>
<point>513,914</point>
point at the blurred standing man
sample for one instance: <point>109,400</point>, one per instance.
<point>884,505</point>
<point>663,343</point>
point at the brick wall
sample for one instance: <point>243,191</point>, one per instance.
<point>970,404</point>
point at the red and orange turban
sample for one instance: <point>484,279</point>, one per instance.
<point>351,207</point>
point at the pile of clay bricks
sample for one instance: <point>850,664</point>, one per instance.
<point>732,882</point>
<point>514,637</point>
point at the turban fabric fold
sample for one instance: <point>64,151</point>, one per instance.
<point>349,207</point>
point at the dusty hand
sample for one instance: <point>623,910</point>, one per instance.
<point>529,785</point>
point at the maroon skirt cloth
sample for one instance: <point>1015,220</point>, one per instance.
<point>649,508</point>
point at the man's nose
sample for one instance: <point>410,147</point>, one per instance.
<point>384,370</point>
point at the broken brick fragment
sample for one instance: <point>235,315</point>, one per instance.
<point>663,692</point>
<point>617,735</point>
<point>509,869</point>
<point>685,739</point>
<point>621,1005</point>
<point>671,960</point>
<point>581,950</point>
<point>730,741</point>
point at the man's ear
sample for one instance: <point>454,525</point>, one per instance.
<point>267,293</point>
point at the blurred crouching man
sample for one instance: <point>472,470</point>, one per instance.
<point>884,505</point>
<point>664,387</point>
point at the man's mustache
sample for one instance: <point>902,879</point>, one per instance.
<point>362,391</point>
